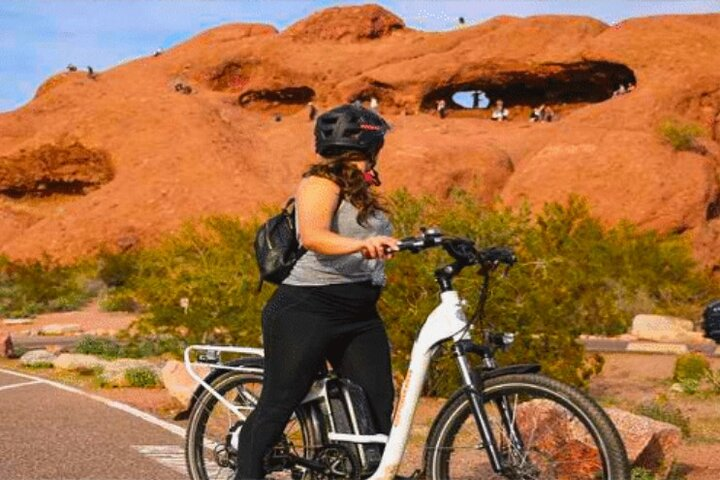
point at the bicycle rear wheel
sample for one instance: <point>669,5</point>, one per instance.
<point>544,430</point>
<point>212,431</point>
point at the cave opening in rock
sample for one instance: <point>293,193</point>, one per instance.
<point>49,188</point>
<point>284,100</point>
<point>559,85</point>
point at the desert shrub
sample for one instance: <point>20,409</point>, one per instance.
<point>691,366</point>
<point>39,365</point>
<point>102,347</point>
<point>118,300</point>
<point>682,136</point>
<point>663,411</point>
<point>142,377</point>
<point>574,277</point>
<point>32,287</point>
<point>212,265</point>
<point>142,346</point>
<point>115,269</point>
<point>639,473</point>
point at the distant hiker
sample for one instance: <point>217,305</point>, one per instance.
<point>499,113</point>
<point>180,87</point>
<point>548,114</point>
<point>440,106</point>
<point>374,104</point>
<point>476,99</point>
<point>537,113</point>
<point>91,73</point>
<point>71,68</point>
<point>158,52</point>
<point>312,111</point>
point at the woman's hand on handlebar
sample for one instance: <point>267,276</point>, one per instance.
<point>380,247</point>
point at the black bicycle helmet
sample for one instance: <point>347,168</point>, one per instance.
<point>711,321</point>
<point>349,127</point>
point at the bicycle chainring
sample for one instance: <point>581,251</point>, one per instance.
<point>340,463</point>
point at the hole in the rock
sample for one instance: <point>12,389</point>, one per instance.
<point>284,100</point>
<point>54,169</point>
<point>48,188</point>
<point>471,99</point>
<point>713,209</point>
<point>568,85</point>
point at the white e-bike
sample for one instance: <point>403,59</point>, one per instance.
<point>506,422</point>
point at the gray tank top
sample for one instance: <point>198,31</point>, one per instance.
<point>315,269</point>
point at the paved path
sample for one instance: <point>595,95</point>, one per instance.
<point>54,432</point>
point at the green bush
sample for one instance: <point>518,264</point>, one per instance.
<point>682,136</point>
<point>136,346</point>
<point>39,365</point>
<point>574,277</point>
<point>119,300</point>
<point>115,269</point>
<point>665,412</point>
<point>639,473</point>
<point>38,286</point>
<point>691,367</point>
<point>142,377</point>
<point>102,347</point>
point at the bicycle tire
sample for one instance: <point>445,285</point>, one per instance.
<point>553,421</point>
<point>203,466</point>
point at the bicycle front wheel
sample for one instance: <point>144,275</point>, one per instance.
<point>544,430</point>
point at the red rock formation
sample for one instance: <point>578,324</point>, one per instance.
<point>219,150</point>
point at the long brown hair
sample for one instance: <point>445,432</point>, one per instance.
<point>351,181</point>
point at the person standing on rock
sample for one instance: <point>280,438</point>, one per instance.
<point>476,99</point>
<point>440,106</point>
<point>499,113</point>
<point>312,111</point>
<point>374,104</point>
<point>326,308</point>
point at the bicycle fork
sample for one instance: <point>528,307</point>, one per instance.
<point>475,396</point>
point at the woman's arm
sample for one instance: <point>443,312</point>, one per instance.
<point>316,201</point>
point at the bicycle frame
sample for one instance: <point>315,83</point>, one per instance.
<point>447,321</point>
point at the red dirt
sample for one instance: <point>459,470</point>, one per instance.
<point>176,157</point>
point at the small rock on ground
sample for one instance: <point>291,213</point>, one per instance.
<point>37,357</point>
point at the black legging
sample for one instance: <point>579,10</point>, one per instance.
<point>302,327</point>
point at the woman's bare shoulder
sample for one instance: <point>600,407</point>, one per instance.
<point>314,185</point>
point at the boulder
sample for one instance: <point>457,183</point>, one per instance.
<point>79,362</point>
<point>178,382</point>
<point>35,358</point>
<point>659,328</point>
<point>60,329</point>
<point>650,444</point>
<point>113,374</point>
<point>17,321</point>
<point>6,345</point>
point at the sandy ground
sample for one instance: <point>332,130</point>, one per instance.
<point>90,320</point>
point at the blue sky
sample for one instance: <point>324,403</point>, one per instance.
<point>40,37</point>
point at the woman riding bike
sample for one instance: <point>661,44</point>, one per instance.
<point>326,308</point>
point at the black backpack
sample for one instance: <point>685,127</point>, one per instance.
<point>276,246</point>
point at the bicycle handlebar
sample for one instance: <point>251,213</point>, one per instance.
<point>461,249</point>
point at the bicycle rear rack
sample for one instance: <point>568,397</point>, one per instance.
<point>214,361</point>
